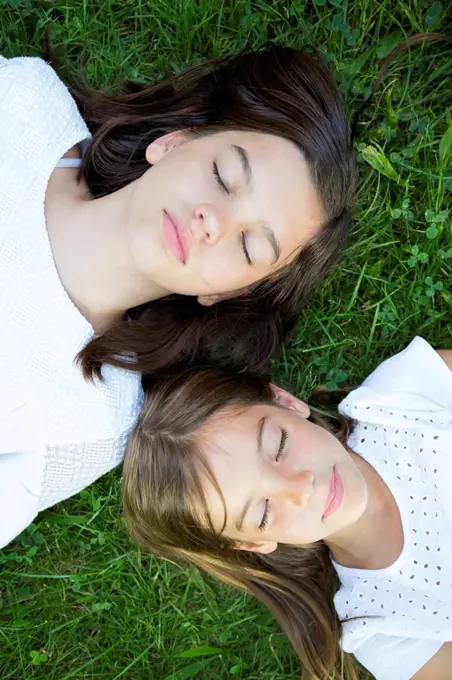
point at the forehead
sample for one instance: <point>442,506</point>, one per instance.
<point>232,423</point>
<point>268,154</point>
<point>229,447</point>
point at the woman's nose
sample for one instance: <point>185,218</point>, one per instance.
<point>299,488</point>
<point>208,223</point>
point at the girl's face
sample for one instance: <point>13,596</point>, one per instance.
<point>214,215</point>
<point>283,479</point>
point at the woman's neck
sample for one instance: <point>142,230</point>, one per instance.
<point>88,240</point>
<point>376,540</point>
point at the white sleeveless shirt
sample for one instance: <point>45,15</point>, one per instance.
<point>58,433</point>
<point>404,430</point>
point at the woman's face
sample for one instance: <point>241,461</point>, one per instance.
<point>283,479</point>
<point>215,214</point>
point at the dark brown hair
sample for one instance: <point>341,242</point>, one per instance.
<point>162,486</point>
<point>280,91</point>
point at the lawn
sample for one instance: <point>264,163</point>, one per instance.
<point>77,601</point>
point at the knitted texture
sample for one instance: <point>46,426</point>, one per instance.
<point>79,430</point>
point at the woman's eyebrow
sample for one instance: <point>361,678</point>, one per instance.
<point>270,236</point>
<point>242,155</point>
<point>244,158</point>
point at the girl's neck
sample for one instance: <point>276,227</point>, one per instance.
<point>376,540</point>
<point>88,240</point>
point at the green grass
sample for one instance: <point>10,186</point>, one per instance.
<point>76,600</point>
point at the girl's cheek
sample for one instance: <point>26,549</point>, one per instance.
<point>283,523</point>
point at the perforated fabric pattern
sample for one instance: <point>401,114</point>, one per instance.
<point>404,430</point>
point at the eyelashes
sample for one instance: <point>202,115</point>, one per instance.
<point>219,181</point>
<point>264,520</point>
<point>225,190</point>
<point>245,249</point>
<point>282,443</point>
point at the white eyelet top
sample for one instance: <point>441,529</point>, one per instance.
<point>404,430</point>
<point>58,433</point>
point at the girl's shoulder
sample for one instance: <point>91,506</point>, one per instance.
<point>415,384</point>
<point>395,657</point>
<point>392,629</point>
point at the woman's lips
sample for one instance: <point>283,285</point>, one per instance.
<point>174,237</point>
<point>335,496</point>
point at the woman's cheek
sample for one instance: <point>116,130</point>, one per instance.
<point>219,271</point>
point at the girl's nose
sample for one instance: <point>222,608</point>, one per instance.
<point>208,224</point>
<point>300,488</point>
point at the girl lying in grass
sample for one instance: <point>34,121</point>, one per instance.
<point>239,478</point>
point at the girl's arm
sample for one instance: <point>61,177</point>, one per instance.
<point>446,356</point>
<point>440,666</point>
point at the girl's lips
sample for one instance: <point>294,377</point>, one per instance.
<point>174,237</point>
<point>335,496</point>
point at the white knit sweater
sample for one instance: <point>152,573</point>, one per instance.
<point>58,433</point>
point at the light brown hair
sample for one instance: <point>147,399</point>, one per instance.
<point>163,495</point>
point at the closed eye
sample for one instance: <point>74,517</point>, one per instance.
<point>264,520</point>
<point>282,443</point>
<point>245,249</point>
<point>220,182</point>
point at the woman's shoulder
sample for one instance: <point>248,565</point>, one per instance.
<point>23,77</point>
<point>37,110</point>
<point>14,65</point>
<point>28,72</point>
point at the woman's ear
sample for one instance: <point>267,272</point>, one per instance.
<point>263,548</point>
<point>161,146</point>
<point>211,299</point>
<point>287,400</point>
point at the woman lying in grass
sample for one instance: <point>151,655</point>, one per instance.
<point>124,219</point>
<point>239,478</point>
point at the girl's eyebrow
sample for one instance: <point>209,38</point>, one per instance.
<point>241,518</point>
<point>260,431</point>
